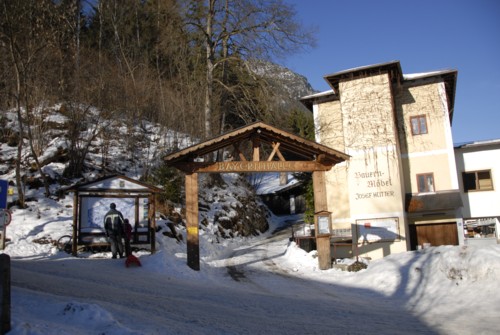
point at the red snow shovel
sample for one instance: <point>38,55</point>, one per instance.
<point>132,260</point>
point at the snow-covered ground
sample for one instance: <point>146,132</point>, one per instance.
<point>261,285</point>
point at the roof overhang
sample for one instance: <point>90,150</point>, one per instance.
<point>433,202</point>
<point>393,68</point>
<point>114,184</point>
<point>317,98</point>
<point>448,77</point>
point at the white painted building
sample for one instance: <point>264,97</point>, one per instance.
<point>478,169</point>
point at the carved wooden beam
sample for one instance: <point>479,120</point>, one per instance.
<point>250,166</point>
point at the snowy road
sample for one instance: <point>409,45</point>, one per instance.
<point>266,298</point>
<point>153,303</point>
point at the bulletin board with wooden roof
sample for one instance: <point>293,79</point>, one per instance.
<point>91,201</point>
<point>257,147</point>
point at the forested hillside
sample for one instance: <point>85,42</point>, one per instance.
<point>198,68</point>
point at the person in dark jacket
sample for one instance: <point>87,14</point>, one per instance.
<point>113,224</point>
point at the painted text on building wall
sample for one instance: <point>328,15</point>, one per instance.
<point>370,180</point>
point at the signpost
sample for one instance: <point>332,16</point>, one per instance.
<point>5,218</point>
<point>4,190</point>
<point>323,233</point>
<point>4,213</point>
<point>5,298</point>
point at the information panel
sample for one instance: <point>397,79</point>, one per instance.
<point>95,208</point>
<point>377,230</point>
<point>323,225</point>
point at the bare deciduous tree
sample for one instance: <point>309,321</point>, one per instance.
<point>27,34</point>
<point>238,30</point>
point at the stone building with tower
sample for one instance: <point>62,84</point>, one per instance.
<point>399,190</point>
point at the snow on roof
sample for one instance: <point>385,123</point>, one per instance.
<point>364,67</point>
<point>414,76</point>
<point>477,143</point>
<point>318,95</point>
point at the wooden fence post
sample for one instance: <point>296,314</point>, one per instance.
<point>4,294</point>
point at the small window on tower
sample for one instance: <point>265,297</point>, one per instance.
<point>418,125</point>
<point>425,182</point>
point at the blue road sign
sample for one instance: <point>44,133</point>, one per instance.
<point>4,189</point>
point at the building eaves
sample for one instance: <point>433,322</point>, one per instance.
<point>478,144</point>
<point>432,202</point>
<point>449,76</point>
<point>85,186</point>
<point>393,67</point>
<point>324,96</point>
<point>423,75</point>
<point>318,95</point>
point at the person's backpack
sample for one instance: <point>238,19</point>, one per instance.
<point>108,223</point>
<point>117,226</point>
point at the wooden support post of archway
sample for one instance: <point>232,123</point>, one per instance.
<point>193,243</point>
<point>320,204</point>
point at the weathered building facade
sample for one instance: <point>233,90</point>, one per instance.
<point>399,191</point>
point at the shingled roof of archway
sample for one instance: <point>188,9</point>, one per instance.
<point>293,146</point>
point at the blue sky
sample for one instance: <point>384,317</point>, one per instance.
<point>424,35</point>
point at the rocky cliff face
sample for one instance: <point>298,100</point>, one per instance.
<point>286,83</point>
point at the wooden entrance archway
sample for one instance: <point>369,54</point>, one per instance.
<point>243,150</point>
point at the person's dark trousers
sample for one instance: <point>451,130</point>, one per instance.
<point>116,246</point>
<point>128,250</point>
